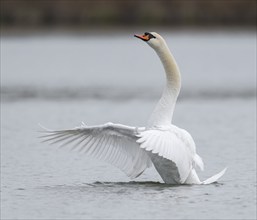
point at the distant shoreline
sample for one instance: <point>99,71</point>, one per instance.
<point>109,30</point>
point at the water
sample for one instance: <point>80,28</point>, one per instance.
<point>60,81</point>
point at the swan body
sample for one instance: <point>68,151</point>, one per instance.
<point>170,149</point>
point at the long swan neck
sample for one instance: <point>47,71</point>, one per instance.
<point>163,112</point>
<point>170,67</point>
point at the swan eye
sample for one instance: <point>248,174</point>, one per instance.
<point>150,36</point>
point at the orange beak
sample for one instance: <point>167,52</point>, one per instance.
<point>142,37</point>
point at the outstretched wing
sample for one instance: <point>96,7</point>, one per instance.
<point>172,144</point>
<point>113,143</point>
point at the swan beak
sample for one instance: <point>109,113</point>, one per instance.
<point>143,37</point>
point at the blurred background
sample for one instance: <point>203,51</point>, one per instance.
<point>64,61</point>
<point>98,13</point>
<point>65,31</point>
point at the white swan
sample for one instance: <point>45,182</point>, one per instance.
<point>169,148</point>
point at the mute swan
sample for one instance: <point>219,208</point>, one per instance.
<point>170,149</point>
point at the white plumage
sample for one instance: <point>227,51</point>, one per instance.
<point>113,143</point>
<point>173,144</point>
<point>171,149</point>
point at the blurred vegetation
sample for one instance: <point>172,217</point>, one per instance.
<point>72,13</point>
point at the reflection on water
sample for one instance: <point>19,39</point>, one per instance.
<point>126,185</point>
<point>122,187</point>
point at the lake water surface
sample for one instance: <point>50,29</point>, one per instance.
<point>60,80</point>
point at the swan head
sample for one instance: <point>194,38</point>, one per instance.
<point>153,39</point>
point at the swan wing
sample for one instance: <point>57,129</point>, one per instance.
<point>170,145</point>
<point>113,143</point>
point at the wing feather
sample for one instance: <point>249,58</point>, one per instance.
<point>70,140</point>
<point>102,147</point>
<point>84,144</point>
<point>77,145</point>
<point>113,143</point>
<point>95,147</point>
<point>60,138</point>
<point>113,153</point>
<point>87,148</point>
<point>172,144</point>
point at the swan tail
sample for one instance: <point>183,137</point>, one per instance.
<point>192,178</point>
<point>199,162</point>
<point>215,177</point>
